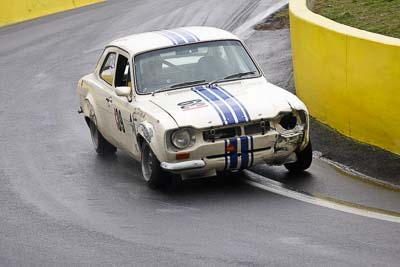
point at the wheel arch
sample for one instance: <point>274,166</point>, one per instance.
<point>89,109</point>
<point>156,146</point>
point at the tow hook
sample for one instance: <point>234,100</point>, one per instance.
<point>80,110</point>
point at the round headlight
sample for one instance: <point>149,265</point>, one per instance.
<point>181,138</point>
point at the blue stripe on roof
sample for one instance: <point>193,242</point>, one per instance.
<point>168,37</point>
<point>185,34</point>
<point>192,34</point>
<point>175,36</point>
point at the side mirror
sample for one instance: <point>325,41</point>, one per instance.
<point>124,91</point>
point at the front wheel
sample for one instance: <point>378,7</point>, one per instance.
<point>304,159</point>
<point>101,145</point>
<point>151,169</point>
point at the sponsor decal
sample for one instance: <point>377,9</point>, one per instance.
<point>192,104</point>
<point>147,132</point>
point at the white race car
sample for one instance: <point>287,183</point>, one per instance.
<point>191,101</point>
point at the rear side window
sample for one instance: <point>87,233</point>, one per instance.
<point>107,70</point>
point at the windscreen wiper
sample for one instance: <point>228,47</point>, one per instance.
<point>236,75</point>
<point>178,85</point>
<point>187,83</point>
<point>240,74</point>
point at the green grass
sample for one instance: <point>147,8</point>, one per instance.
<point>378,16</point>
<point>279,20</point>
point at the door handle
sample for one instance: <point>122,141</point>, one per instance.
<point>109,99</point>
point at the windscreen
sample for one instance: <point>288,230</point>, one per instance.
<point>178,66</point>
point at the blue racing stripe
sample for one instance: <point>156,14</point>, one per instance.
<point>168,37</point>
<point>196,90</point>
<point>237,100</point>
<point>223,107</point>
<point>192,34</point>
<point>244,147</point>
<point>185,34</point>
<point>233,155</point>
<point>251,151</point>
<point>175,36</point>
<point>229,100</point>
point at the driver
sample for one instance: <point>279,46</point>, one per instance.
<point>151,74</point>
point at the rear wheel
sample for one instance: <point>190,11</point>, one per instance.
<point>101,145</point>
<point>304,159</point>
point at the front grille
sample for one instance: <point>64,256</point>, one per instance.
<point>223,133</point>
<point>260,127</point>
<point>255,128</point>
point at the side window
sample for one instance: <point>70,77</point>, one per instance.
<point>107,70</point>
<point>122,73</point>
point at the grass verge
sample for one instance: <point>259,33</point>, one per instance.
<point>378,16</point>
<point>278,20</point>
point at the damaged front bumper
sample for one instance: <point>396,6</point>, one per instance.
<point>273,148</point>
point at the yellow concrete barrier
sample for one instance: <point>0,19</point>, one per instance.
<point>13,11</point>
<point>348,78</point>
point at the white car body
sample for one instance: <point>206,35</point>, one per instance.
<point>126,122</point>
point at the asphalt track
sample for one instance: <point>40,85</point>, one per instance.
<point>60,204</point>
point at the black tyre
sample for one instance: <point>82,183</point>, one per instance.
<point>304,159</point>
<point>152,172</point>
<point>101,145</point>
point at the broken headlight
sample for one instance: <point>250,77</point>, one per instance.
<point>288,121</point>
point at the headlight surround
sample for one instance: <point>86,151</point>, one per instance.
<point>303,116</point>
<point>292,120</point>
<point>182,138</point>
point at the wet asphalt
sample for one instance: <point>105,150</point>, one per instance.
<point>61,204</point>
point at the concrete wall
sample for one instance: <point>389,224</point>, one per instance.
<point>13,11</point>
<point>348,78</point>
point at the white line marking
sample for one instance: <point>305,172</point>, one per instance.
<point>354,173</point>
<point>278,188</point>
<point>245,30</point>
